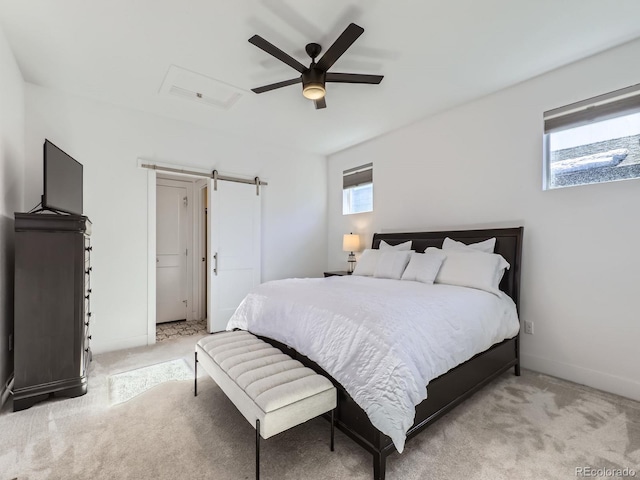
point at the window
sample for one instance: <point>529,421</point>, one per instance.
<point>593,141</point>
<point>357,190</point>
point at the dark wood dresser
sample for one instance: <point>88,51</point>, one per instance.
<point>52,307</point>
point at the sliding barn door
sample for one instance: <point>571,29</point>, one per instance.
<point>234,249</point>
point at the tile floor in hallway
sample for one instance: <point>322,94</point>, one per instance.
<point>182,328</point>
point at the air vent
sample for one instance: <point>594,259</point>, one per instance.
<point>199,88</point>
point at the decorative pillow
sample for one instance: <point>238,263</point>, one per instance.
<point>488,246</point>
<point>366,266</point>
<point>403,247</point>
<point>471,269</point>
<point>391,264</point>
<point>424,267</point>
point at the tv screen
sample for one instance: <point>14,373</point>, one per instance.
<point>62,181</point>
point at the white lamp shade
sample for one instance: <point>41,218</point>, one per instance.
<point>351,242</point>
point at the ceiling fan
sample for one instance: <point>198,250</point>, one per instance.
<point>314,77</point>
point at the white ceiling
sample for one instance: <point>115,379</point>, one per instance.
<point>434,54</point>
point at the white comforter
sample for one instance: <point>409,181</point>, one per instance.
<point>383,340</point>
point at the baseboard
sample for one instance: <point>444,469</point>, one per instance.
<point>584,376</point>
<point>6,391</point>
<point>119,344</point>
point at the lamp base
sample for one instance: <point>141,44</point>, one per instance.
<point>351,263</point>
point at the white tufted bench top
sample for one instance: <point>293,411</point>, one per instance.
<point>264,383</point>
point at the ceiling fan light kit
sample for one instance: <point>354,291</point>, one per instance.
<point>313,81</point>
<point>313,91</point>
<point>315,77</point>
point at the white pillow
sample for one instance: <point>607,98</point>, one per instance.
<point>391,264</point>
<point>366,266</point>
<point>403,247</point>
<point>467,268</point>
<point>424,267</point>
<point>488,246</point>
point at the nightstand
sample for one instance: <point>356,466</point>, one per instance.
<point>339,273</point>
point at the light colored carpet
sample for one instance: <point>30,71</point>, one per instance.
<point>529,427</point>
<point>124,386</point>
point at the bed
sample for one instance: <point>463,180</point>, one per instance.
<point>451,386</point>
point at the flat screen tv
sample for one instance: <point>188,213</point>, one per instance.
<point>62,181</point>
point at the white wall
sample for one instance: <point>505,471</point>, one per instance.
<point>108,140</point>
<point>11,190</point>
<point>481,165</point>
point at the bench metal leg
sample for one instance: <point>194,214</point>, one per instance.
<point>332,429</point>
<point>257,449</point>
<point>195,380</point>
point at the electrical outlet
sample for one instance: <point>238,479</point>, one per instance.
<point>10,341</point>
<point>528,328</point>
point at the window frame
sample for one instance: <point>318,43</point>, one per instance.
<point>353,178</point>
<point>615,104</point>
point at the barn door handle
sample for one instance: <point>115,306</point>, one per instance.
<point>215,265</point>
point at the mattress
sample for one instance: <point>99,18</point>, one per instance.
<point>382,340</point>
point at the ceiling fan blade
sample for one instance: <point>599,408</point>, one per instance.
<point>271,49</point>
<point>344,41</point>
<point>353,78</point>
<point>320,103</point>
<point>273,86</point>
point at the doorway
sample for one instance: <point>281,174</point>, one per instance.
<point>223,217</point>
<point>180,305</point>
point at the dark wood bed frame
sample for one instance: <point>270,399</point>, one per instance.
<point>459,383</point>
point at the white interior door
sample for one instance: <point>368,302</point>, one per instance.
<point>171,253</point>
<point>234,249</point>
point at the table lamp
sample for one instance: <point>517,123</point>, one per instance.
<point>351,243</point>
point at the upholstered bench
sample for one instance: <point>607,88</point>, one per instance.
<point>272,391</point>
